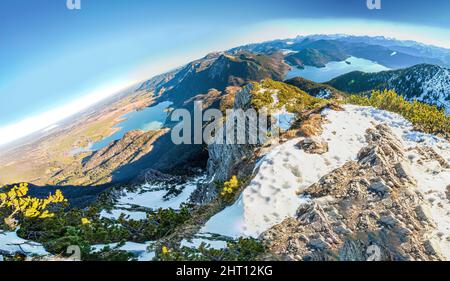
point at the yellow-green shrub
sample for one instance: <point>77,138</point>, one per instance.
<point>230,187</point>
<point>14,201</point>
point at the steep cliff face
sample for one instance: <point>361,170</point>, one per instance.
<point>224,157</point>
<point>225,160</point>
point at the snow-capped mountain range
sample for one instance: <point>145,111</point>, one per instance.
<point>389,52</point>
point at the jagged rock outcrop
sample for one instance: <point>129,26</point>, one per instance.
<point>365,210</point>
<point>225,159</point>
<point>222,157</point>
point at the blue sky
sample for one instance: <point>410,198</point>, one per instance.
<point>55,61</point>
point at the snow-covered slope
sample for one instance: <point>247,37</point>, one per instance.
<point>282,175</point>
<point>426,83</point>
<point>436,88</point>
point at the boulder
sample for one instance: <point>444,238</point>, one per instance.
<point>313,145</point>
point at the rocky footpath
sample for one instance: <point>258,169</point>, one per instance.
<point>368,209</point>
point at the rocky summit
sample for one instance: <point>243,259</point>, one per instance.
<point>372,201</point>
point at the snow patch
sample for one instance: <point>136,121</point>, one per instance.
<point>116,213</point>
<point>150,196</point>
<point>11,244</point>
<point>287,51</point>
<point>207,239</point>
<point>140,250</point>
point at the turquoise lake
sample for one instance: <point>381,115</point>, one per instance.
<point>334,69</point>
<point>151,118</point>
